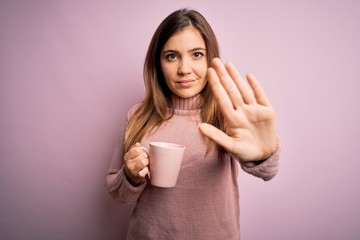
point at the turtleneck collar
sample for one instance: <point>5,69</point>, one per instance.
<point>190,103</point>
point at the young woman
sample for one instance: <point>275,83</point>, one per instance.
<point>193,99</point>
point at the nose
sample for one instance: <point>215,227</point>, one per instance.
<point>184,67</point>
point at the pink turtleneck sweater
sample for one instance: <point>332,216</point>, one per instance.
<point>205,202</point>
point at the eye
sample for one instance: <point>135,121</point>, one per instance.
<point>170,56</point>
<point>198,54</point>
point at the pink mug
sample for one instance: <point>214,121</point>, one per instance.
<point>165,162</point>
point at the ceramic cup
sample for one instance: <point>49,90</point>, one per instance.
<point>165,162</point>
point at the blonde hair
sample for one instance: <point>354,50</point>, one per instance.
<point>153,110</point>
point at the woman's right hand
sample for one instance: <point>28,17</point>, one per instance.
<point>136,163</point>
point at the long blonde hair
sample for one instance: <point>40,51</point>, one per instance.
<point>153,110</point>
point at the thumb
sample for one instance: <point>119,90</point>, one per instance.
<point>216,135</point>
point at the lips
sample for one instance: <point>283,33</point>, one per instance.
<point>185,83</point>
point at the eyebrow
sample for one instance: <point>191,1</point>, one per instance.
<point>191,50</point>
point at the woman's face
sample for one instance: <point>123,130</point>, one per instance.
<point>184,63</point>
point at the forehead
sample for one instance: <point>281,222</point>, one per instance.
<point>186,39</point>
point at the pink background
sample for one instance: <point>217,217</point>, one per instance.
<point>69,71</point>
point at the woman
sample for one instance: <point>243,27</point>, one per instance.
<point>193,99</point>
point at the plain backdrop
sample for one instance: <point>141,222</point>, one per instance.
<point>70,70</point>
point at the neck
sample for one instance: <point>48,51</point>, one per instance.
<point>190,103</point>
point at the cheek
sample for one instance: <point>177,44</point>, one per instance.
<point>202,70</point>
<point>167,71</point>
<point>168,76</point>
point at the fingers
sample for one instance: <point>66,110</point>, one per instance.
<point>229,87</point>
<point>246,94</point>
<point>259,92</point>
<point>221,97</point>
<point>133,152</point>
<point>217,136</point>
<point>144,172</point>
<point>136,162</point>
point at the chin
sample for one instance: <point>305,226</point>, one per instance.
<point>186,95</point>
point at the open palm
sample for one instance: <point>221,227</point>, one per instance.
<point>249,117</point>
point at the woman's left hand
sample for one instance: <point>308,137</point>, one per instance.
<point>249,117</point>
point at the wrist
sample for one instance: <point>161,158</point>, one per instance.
<point>134,182</point>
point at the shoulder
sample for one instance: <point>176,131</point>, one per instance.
<point>132,110</point>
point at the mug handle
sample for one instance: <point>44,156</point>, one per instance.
<point>147,152</point>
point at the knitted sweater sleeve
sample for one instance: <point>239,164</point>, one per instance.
<point>266,169</point>
<point>116,182</point>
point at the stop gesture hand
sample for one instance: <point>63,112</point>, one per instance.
<point>249,117</point>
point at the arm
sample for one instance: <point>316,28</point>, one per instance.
<point>116,182</point>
